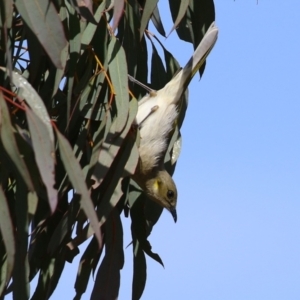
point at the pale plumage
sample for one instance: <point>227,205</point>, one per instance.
<point>156,115</point>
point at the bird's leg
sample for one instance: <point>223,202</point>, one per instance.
<point>132,79</point>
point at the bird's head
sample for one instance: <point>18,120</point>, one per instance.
<point>162,190</point>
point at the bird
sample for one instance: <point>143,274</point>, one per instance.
<point>156,116</point>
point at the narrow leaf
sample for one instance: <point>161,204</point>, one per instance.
<point>111,147</point>
<point>182,10</point>
<point>88,261</point>
<point>118,11</point>
<point>107,282</point>
<point>7,232</point>
<point>21,272</point>
<point>77,179</point>
<point>44,154</point>
<point>139,272</point>
<point>91,28</point>
<point>27,92</point>
<point>157,22</point>
<point>41,134</point>
<point>112,187</point>
<point>42,18</point>
<point>10,145</point>
<point>118,73</point>
<point>158,72</point>
<point>147,12</point>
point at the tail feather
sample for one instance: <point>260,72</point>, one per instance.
<point>176,87</point>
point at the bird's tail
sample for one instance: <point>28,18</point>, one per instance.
<point>180,81</point>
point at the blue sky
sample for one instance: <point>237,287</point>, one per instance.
<point>237,235</point>
<point>238,230</point>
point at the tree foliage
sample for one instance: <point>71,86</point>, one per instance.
<point>67,144</point>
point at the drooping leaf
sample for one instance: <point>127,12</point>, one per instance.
<point>27,92</point>
<point>139,272</point>
<point>118,72</point>
<point>157,22</point>
<point>182,10</point>
<point>7,232</point>
<point>107,282</point>
<point>147,12</point>
<point>9,143</point>
<point>48,278</point>
<point>172,65</point>
<point>85,9</point>
<point>118,11</point>
<point>88,261</point>
<point>21,274</point>
<point>158,73</point>
<point>111,188</point>
<point>89,31</point>
<point>200,14</point>
<point>44,154</point>
<point>6,17</point>
<point>42,18</point>
<point>78,181</point>
<point>112,146</point>
<point>3,268</point>
<point>41,134</point>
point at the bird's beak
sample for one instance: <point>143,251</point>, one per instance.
<point>174,214</point>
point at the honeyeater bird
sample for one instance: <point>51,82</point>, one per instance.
<point>157,112</point>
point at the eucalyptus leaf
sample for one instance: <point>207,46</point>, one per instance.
<point>118,71</point>
<point>7,232</point>
<point>107,282</point>
<point>10,145</point>
<point>148,9</point>
<point>76,177</point>
<point>42,18</point>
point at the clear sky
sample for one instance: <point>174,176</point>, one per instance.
<point>238,176</point>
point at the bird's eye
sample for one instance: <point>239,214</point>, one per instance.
<point>170,194</point>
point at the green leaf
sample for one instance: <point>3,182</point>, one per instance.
<point>158,72</point>
<point>182,10</point>
<point>200,14</point>
<point>118,11</point>
<point>27,92</point>
<point>60,232</point>
<point>107,282</point>
<point>21,273</point>
<point>41,134</point>
<point>148,250</point>
<point>44,154</point>
<point>10,145</point>
<point>7,232</point>
<point>76,177</point>
<point>42,18</point>
<point>147,12</point>
<point>91,28</point>
<point>6,17</point>
<point>172,64</point>
<point>32,203</point>
<point>118,72</point>
<point>139,272</point>
<point>3,268</point>
<point>88,261</point>
<point>111,188</point>
<point>48,278</point>
<point>112,145</point>
<point>157,22</point>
